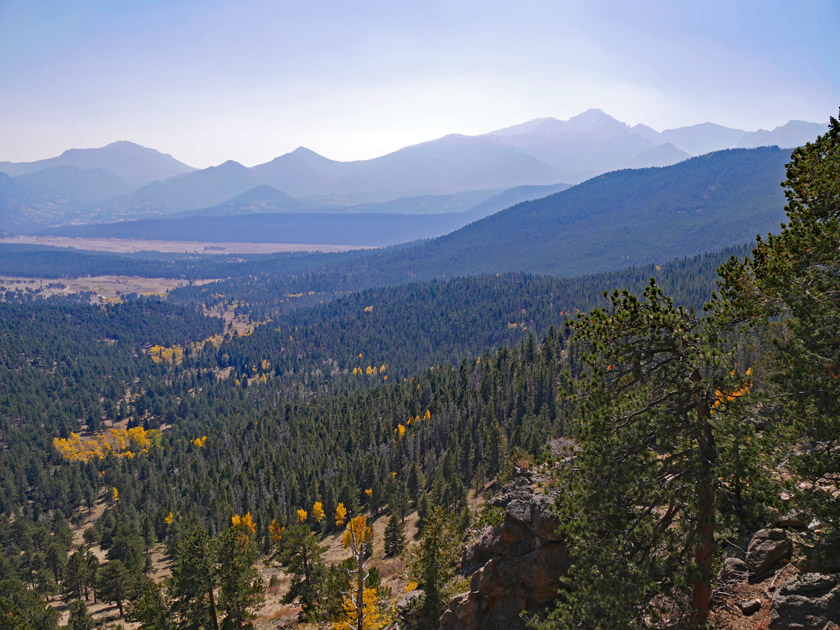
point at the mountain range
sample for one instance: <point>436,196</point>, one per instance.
<point>456,173</point>
<point>612,221</point>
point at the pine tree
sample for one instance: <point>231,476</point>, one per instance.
<point>74,575</point>
<point>80,618</point>
<point>148,606</point>
<point>240,585</point>
<point>300,554</point>
<point>657,427</point>
<point>91,573</point>
<point>394,536</point>
<point>432,564</point>
<point>790,286</point>
<point>194,581</point>
<point>115,582</point>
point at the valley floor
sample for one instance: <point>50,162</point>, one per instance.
<point>127,246</point>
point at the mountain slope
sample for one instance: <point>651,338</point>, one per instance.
<point>200,189</point>
<point>626,217</point>
<point>511,197</point>
<point>54,195</point>
<point>543,151</point>
<point>660,155</point>
<point>609,222</point>
<point>134,164</point>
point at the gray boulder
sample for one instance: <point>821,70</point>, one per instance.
<point>733,570</point>
<point>807,602</point>
<point>767,547</point>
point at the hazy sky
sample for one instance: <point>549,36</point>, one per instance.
<point>249,80</point>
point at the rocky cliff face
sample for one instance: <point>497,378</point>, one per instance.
<point>515,567</point>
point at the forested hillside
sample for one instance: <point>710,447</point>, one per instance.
<point>152,451</point>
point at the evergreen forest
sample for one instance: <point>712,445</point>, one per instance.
<point>305,438</point>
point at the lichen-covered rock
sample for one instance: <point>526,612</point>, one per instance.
<point>767,547</point>
<point>516,568</point>
<point>807,602</point>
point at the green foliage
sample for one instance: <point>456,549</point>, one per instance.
<point>789,288</point>
<point>148,606</point>
<point>115,583</point>
<point>24,609</point>
<point>240,586</point>
<point>193,583</point>
<point>656,425</point>
<point>432,564</point>
<point>300,554</point>
<point>80,618</point>
<point>394,536</point>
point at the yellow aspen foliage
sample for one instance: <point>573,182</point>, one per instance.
<point>427,415</point>
<point>244,524</point>
<point>275,530</point>
<point>263,379</point>
<point>369,309</point>
<point>169,519</point>
<point>372,616</point>
<point>115,495</point>
<point>340,514</point>
<point>118,438</point>
<point>410,586</point>
<point>119,442</point>
<point>302,515</point>
<point>369,492</point>
<point>357,534</point>
<point>199,441</point>
<point>318,512</point>
<point>361,607</point>
<point>399,432</point>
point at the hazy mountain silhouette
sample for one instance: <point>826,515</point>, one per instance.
<point>432,176</point>
<point>134,164</point>
<point>612,221</point>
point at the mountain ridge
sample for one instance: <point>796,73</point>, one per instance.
<point>543,151</point>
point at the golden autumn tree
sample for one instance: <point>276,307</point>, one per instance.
<point>361,605</point>
<point>340,515</point>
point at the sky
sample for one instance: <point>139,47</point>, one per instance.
<point>208,80</point>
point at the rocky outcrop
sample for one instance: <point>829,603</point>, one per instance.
<point>767,547</point>
<point>515,567</point>
<point>807,602</point>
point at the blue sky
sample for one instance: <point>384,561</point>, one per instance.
<point>249,80</point>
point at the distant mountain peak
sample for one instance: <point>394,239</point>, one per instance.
<point>303,151</point>
<point>594,117</point>
<point>230,164</point>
